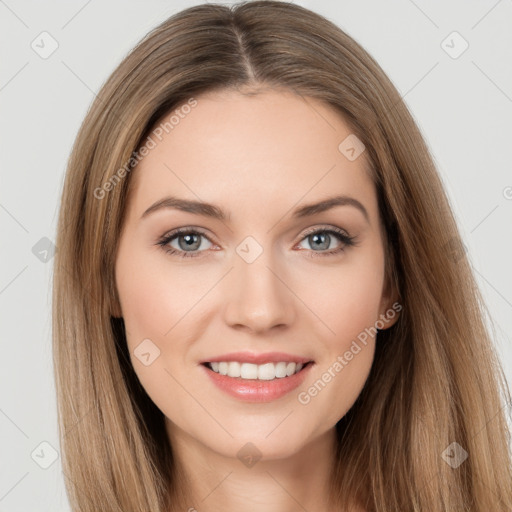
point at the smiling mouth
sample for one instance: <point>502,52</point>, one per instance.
<point>255,372</point>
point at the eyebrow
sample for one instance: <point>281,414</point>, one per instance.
<point>215,212</point>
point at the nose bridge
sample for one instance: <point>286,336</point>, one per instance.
<point>258,299</point>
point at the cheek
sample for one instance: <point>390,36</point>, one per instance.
<point>155,297</point>
<point>154,307</point>
<point>163,303</point>
<point>141,297</point>
<point>347,298</point>
<point>348,302</point>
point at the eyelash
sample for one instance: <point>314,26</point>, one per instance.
<point>347,240</point>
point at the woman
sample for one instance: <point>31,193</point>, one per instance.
<point>260,297</point>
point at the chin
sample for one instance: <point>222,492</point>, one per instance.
<point>263,446</point>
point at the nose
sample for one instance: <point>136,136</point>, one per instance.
<point>258,297</point>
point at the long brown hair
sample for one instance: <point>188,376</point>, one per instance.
<point>436,379</point>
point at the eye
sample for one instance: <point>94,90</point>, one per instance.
<point>321,239</point>
<point>187,242</point>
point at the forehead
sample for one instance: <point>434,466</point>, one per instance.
<point>246,152</point>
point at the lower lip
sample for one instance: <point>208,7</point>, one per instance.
<point>255,390</point>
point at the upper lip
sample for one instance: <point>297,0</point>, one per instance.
<point>250,357</point>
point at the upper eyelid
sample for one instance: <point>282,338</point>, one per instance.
<point>326,228</point>
<point>173,234</point>
<point>193,229</point>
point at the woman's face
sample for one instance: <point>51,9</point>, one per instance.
<point>256,273</point>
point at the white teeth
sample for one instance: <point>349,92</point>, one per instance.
<point>248,371</point>
<point>281,370</point>
<point>223,368</point>
<point>234,369</point>
<point>267,371</point>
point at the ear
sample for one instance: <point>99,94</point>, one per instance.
<point>390,306</point>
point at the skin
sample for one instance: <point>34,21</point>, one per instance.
<point>257,157</point>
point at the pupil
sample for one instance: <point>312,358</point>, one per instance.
<point>191,241</point>
<point>319,236</point>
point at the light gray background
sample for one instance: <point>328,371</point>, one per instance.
<point>463,106</point>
